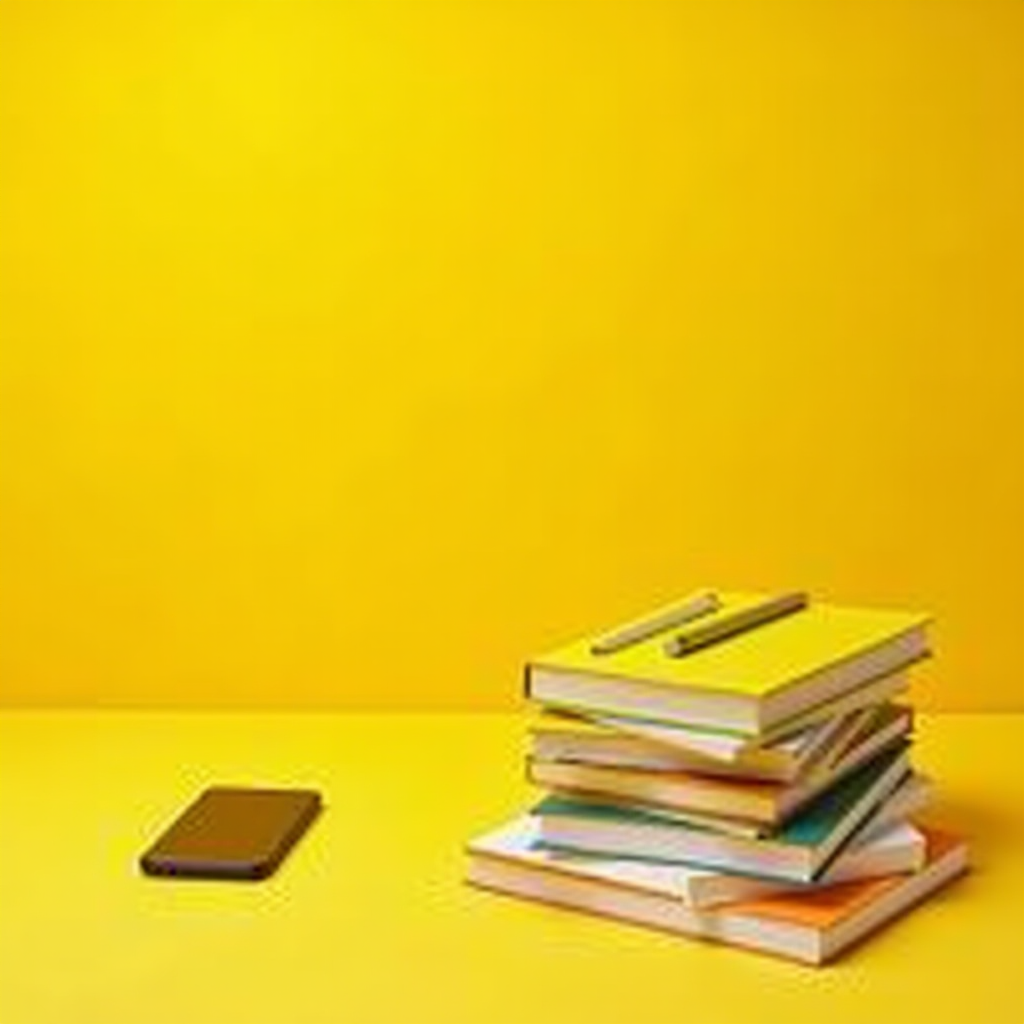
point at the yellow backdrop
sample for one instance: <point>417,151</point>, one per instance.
<point>352,352</point>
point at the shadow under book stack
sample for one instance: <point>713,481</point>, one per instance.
<point>735,767</point>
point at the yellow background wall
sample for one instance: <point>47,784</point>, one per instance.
<point>351,352</point>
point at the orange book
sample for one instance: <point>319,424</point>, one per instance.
<point>829,907</point>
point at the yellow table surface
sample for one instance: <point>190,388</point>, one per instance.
<point>369,920</point>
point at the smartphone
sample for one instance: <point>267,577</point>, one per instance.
<point>233,832</point>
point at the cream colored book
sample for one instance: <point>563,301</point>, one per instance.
<point>726,746</point>
<point>575,739</point>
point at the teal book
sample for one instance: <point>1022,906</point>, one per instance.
<point>799,851</point>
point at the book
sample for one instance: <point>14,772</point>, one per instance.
<point>747,684</point>
<point>751,800</point>
<point>726,746</point>
<point>898,848</point>
<point>809,927</point>
<point>800,851</point>
<point>909,798</point>
<point>560,737</point>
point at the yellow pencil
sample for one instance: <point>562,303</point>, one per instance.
<point>701,603</point>
<point>739,622</point>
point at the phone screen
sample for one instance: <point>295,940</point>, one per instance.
<point>233,832</point>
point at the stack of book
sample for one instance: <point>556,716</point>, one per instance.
<point>734,767</point>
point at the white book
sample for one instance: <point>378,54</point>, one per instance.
<point>896,848</point>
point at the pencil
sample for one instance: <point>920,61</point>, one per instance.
<point>702,603</point>
<point>739,622</point>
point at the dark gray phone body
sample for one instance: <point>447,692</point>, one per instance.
<point>233,832</point>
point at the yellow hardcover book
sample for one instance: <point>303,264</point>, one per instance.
<point>749,683</point>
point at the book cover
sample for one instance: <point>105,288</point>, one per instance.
<point>736,675</point>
